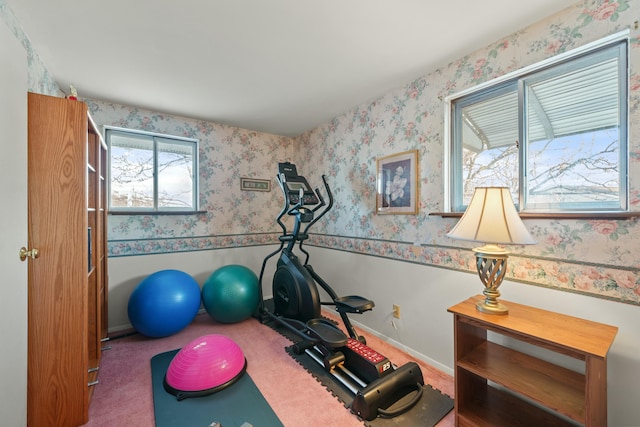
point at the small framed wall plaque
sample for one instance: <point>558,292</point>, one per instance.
<point>252,184</point>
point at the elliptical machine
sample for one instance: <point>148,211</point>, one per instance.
<point>379,387</point>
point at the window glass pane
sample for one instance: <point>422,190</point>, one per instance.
<point>176,161</point>
<point>573,137</point>
<point>152,172</point>
<point>575,171</point>
<point>131,171</point>
<point>556,135</point>
<point>489,148</point>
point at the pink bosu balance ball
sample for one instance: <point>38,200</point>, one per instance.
<point>206,365</point>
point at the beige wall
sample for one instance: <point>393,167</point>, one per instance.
<point>425,328</point>
<point>125,273</point>
<point>423,293</point>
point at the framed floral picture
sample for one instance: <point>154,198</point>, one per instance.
<point>397,183</point>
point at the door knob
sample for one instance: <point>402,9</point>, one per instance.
<point>24,253</point>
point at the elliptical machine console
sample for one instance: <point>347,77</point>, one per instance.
<point>376,383</point>
<point>293,183</point>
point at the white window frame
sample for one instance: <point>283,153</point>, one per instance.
<point>155,138</point>
<point>452,188</point>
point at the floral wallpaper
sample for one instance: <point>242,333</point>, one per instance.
<point>596,257</point>
<point>230,217</point>
<point>39,79</point>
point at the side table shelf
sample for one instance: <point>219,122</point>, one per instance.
<point>499,386</point>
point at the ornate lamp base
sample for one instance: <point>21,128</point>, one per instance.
<point>491,305</point>
<point>491,261</point>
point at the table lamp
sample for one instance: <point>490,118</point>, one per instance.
<point>491,218</point>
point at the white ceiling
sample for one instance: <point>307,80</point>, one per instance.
<point>276,66</point>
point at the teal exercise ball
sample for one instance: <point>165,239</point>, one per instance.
<point>231,294</point>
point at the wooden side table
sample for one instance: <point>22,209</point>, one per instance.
<point>499,386</point>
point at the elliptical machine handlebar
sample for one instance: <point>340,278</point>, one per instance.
<point>322,203</point>
<point>299,210</point>
<point>280,178</point>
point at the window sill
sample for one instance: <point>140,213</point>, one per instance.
<point>119,212</point>
<point>556,215</point>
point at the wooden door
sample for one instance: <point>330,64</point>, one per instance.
<point>13,217</point>
<point>57,300</point>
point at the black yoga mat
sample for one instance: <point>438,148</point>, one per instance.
<point>235,405</point>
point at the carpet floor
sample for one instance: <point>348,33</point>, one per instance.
<point>124,395</point>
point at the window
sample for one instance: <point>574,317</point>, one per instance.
<point>556,135</point>
<point>151,172</point>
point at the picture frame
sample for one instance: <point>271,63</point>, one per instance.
<point>397,184</point>
<point>253,184</point>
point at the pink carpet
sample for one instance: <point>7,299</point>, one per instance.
<point>124,396</point>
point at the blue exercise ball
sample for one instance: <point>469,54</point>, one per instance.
<point>164,303</point>
<point>231,294</point>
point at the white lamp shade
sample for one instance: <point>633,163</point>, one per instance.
<point>491,217</point>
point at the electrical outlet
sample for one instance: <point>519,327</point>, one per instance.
<point>396,311</point>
